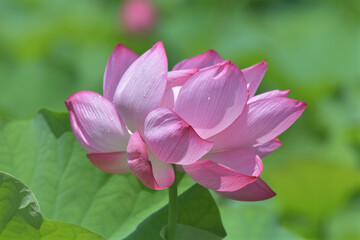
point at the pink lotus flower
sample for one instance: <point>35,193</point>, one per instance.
<point>202,116</point>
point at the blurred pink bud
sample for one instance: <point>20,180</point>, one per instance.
<point>138,16</point>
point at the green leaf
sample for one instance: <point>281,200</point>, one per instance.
<point>55,230</point>
<point>20,216</point>
<point>18,210</point>
<point>196,208</point>
<point>314,188</point>
<point>310,190</point>
<point>184,232</point>
<point>344,224</point>
<point>253,220</point>
<point>44,154</point>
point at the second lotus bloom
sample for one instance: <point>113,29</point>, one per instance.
<point>202,116</point>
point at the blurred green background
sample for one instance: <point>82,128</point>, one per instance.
<point>51,49</point>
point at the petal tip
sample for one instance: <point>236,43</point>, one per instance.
<point>67,103</point>
<point>301,104</point>
<point>211,51</point>
<point>119,46</point>
<point>226,62</point>
<point>159,44</point>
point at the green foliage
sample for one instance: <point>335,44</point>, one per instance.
<point>196,209</point>
<point>313,190</point>
<point>341,224</point>
<point>184,232</point>
<point>253,220</point>
<point>20,216</point>
<point>18,210</point>
<point>45,155</point>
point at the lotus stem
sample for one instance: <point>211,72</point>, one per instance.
<point>170,233</point>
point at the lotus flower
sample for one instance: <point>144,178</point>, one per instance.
<point>202,116</point>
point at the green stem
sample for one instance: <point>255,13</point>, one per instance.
<point>170,233</point>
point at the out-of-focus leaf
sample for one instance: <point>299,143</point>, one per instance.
<point>344,224</point>
<point>310,190</point>
<point>312,187</point>
<point>45,155</point>
<point>20,216</point>
<point>253,221</point>
<point>196,208</point>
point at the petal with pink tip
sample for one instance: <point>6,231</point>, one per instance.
<point>212,99</point>
<point>203,60</point>
<point>241,160</point>
<point>254,75</point>
<point>260,122</point>
<point>171,139</point>
<point>270,94</point>
<point>119,61</point>
<point>113,162</point>
<point>96,123</point>
<point>217,177</point>
<point>267,148</point>
<point>152,173</point>
<point>142,87</point>
<point>179,77</point>
<point>256,191</point>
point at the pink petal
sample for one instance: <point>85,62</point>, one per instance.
<point>260,122</point>
<point>256,191</point>
<point>142,87</point>
<point>171,139</point>
<point>119,61</point>
<point>216,176</point>
<point>270,94</point>
<point>241,160</point>
<point>267,148</point>
<point>152,172</point>
<point>203,60</point>
<point>163,172</point>
<point>113,162</point>
<point>179,77</point>
<point>212,99</point>
<point>96,123</point>
<point>168,99</point>
<point>176,91</point>
<point>254,75</point>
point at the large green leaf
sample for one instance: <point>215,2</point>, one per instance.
<point>18,210</point>
<point>44,154</point>
<point>197,209</point>
<point>20,216</point>
<point>185,232</point>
